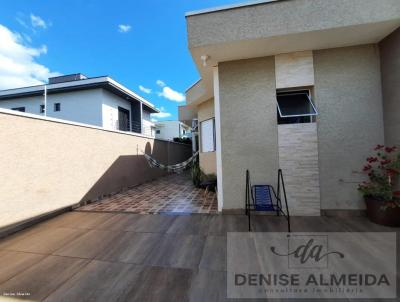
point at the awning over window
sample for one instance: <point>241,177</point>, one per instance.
<point>295,104</point>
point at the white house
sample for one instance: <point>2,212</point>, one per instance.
<point>99,101</point>
<point>170,129</point>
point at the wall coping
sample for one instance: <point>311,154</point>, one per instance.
<point>76,124</point>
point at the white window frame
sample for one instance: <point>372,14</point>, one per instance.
<point>213,136</point>
<point>294,93</point>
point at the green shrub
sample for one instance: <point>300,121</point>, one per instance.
<point>196,172</point>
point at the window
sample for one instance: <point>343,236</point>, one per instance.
<point>207,135</point>
<point>57,107</point>
<point>41,108</point>
<point>158,131</point>
<point>123,119</point>
<point>21,109</point>
<point>295,107</point>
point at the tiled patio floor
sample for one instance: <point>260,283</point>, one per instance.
<point>84,256</point>
<point>170,194</point>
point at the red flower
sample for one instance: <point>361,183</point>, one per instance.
<point>367,168</point>
<point>385,162</point>
<point>396,193</point>
<point>391,172</point>
<point>379,147</point>
<point>372,159</point>
<point>390,149</point>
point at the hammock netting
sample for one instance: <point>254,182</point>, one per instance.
<point>177,168</point>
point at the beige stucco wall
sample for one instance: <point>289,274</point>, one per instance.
<point>207,160</point>
<point>284,18</point>
<point>205,110</point>
<point>248,126</point>
<point>350,121</point>
<point>390,69</point>
<point>45,166</point>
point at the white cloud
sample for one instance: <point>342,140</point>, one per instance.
<point>172,95</point>
<point>18,66</point>
<point>160,83</point>
<point>169,93</point>
<point>161,114</point>
<point>144,89</point>
<point>154,120</point>
<point>21,22</point>
<point>37,21</point>
<point>124,28</point>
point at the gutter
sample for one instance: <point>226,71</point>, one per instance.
<point>228,7</point>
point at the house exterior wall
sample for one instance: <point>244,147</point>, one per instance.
<point>94,162</point>
<point>110,104</point>
<point>249,136</point>
<point>350,122</point>
<point>78,106</point>
<point>390,72</point>
<point>207,160</point>
<point>148,125</point>
<point>168,130</point>
<point>97,107</point>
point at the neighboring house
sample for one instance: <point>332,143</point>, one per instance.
<point>309,86</point>
<point>99,101</point>
<point>170,129</point>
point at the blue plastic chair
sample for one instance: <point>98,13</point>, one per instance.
<point>261,198</point>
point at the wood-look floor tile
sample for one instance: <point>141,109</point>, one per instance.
<point>221,224</point>
<point>45,241</point>
<point>214,254</point>
<point>160,284</point>
<point>208,286</point>
<point>151,223</point>
<point>43,278</point>
<point>181,251</point>
<point>67,220</point>
<point>78,220</point>
<point>130,247</point>
<point>12,263</point>
<point>119,222</point>
<point>192,224</point>
<point>99,281</point>
<point>88,245</point>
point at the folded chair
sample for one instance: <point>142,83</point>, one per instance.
<point>264,198</point>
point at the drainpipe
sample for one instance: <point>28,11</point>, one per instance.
<point>45,100</point>
<point>141,118</point>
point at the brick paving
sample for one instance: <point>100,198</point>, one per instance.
<point>170,194</point>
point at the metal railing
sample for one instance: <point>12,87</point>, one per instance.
<point>136,126</point>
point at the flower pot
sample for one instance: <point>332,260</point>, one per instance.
<point>378,213</point>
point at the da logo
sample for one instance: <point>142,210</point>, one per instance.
<point>307,251</point>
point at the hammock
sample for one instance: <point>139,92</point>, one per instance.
<point>177,168</point>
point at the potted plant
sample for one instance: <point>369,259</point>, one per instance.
<point>381,193</point>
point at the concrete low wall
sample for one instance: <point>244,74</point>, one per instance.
<point>46,165</point>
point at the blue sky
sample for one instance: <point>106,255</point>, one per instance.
<point>135,42</point>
